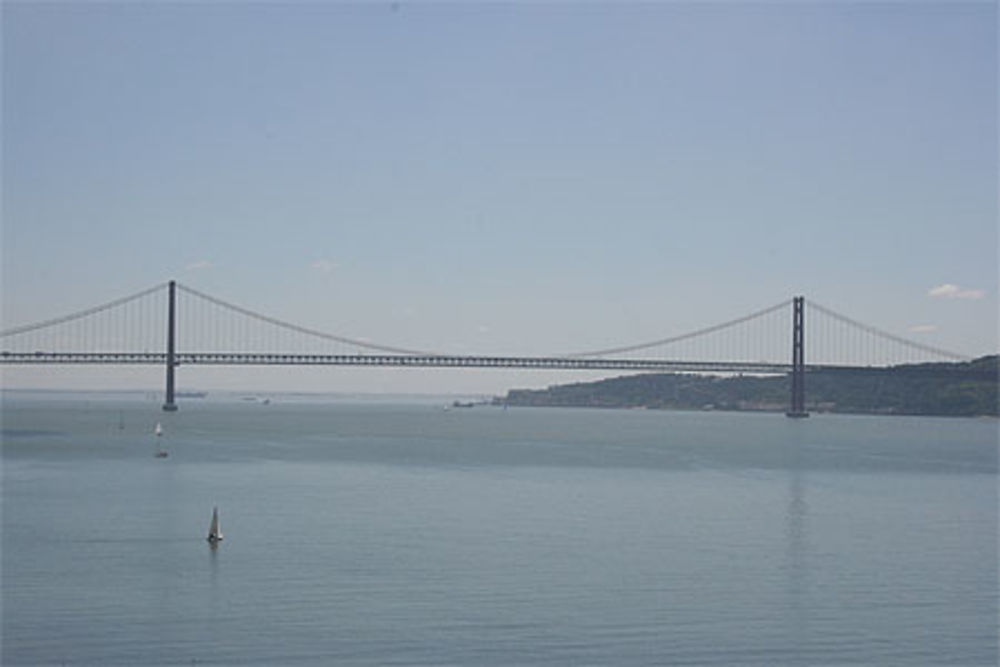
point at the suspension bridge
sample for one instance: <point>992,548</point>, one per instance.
<point>174,325</point>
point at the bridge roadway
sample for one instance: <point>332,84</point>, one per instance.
<point>391,360</point>
<point>459,361</point>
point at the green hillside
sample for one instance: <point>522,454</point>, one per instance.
<point>956,389</point>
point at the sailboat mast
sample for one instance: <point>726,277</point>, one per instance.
<point>214,534</point>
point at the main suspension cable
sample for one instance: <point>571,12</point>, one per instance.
<point>675,339</point>
<point>298,329</point>
<point>884,334</point>
<point>81,314</point>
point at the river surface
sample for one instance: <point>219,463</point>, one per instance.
<point>379,533</point>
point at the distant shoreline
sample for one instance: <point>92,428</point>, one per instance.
<point>964,389</point>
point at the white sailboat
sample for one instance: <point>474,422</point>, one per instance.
<point>214,532</point>
<point>160,452</point>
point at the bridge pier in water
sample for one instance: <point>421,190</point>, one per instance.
<point>168,404</point>
<point>797,409</point>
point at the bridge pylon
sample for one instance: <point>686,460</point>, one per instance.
<point>168,404</point>
<point>797,409</point>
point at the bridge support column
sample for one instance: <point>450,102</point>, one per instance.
<point>168,404</point>
<point>797,409</point>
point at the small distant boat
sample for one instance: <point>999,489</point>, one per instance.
<point>191,394</point>
<point>160,452</point>
<point>214,532</point>
<point>257,399</point>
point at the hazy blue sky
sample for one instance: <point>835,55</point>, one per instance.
<point>513,177</point>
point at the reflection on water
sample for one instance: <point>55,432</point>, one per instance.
<point>796,555</point>
<point>213,561</point>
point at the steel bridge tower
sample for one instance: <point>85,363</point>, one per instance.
<point>798,403</point>
<point>168,404</point>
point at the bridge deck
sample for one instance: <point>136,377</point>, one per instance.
<point>415,361</point>
<point>458,361</point>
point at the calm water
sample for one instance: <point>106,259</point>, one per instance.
<point>380,534</point>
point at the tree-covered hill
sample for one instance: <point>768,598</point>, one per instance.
<point>957,389</point>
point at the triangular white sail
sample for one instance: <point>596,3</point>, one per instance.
<point>160,453</point>
<point>214,533</point>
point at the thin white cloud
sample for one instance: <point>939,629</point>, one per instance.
<point>922,328</point>
<point>323,266</point>
<point>199,265</point>
<point>951,291</point>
